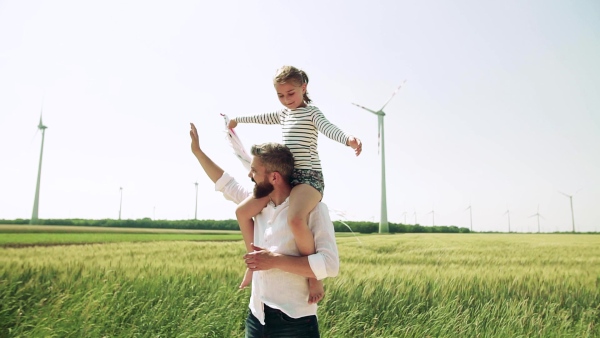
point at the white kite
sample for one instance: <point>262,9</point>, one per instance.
<point>236,144</point>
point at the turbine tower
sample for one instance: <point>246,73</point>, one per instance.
<point>507,213</point>
<point>196,209</point>
<point>538,217</point>
<point>432,217</point>
<point>572,213</point>
<point>120,202</point>
<point>383,221</point>
<point>36,201</point>
<point>470,215</point>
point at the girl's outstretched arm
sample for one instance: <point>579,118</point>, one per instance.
<point>355,143</point>
<point>268,118</point>
<point>333,132</point>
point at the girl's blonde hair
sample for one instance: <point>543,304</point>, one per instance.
<point>291,73</point>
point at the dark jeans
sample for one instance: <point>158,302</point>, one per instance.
<point>280,325</point>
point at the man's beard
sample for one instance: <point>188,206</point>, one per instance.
<point>262,189</point>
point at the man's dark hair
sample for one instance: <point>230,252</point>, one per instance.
<point>275,157</point>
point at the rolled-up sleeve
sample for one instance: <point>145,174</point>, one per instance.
<point>326,261</point>
<point>231,189</point>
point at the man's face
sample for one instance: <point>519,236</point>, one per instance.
<point>259,175</point>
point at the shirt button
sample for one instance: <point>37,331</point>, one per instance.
<point>269,222</point>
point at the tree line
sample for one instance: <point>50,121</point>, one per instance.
<point>350,226</point>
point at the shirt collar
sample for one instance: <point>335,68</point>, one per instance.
<point>272,204</point>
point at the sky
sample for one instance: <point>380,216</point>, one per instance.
<point>498,112</point>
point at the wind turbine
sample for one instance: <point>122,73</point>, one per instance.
<point>404,214</point>
<point>196,209</point>
<point>538,217</point>
<point>432,217</point>
<point>470,215</point>
<point>415,214</point>
<point>383,222</point>
<point>572,213</point>
<point>507,213</point>
<point>120,201</point>
<point>36,200</point>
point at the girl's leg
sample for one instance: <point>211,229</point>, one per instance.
<point>303,199</point>
<point>244,212</point>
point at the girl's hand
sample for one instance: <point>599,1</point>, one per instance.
<point>232,124</point>
<point>356,144</point>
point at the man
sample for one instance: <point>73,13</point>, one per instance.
<point>279,299</point>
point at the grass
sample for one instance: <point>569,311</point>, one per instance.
<point>27,235</point>
<point>412,285</point>
<point>92,238</point>
<point>469,286</point>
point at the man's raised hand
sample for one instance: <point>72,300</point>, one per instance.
<point>195,140</point>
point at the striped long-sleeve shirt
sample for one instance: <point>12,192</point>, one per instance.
<point>300,131</point>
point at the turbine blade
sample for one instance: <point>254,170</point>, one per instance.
<point>560,192</point>
<point>35,134</point>
<point>393,94</point>
<point>41,125</point>
<point>365,108</point>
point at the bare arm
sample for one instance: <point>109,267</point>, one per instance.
<point>324,263</point>
<point>212,170</point>
<point>263,259</point>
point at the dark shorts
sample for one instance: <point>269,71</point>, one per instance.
<point>314,178</point>
<point>278,324</point>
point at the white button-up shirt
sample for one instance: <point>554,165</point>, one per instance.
<point>278,289</point>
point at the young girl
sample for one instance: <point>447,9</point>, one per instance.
<point>301,123</point>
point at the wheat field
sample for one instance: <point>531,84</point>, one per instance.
<point>409,285</point>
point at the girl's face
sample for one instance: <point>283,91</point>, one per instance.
<point>290,94</point>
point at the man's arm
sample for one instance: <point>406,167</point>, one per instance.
<point>213,171</point>
<point>263,259</point>
<point>324,263</point>
<point>224,183</point>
